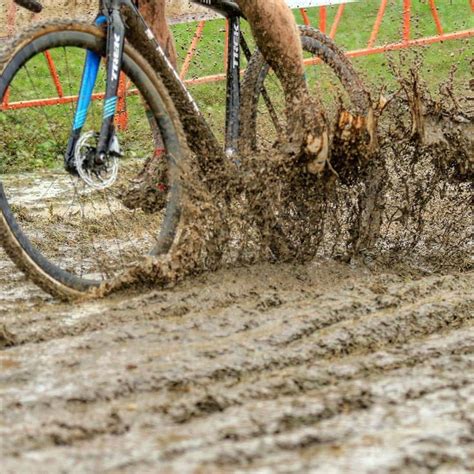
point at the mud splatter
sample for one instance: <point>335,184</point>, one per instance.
<point>404,194</point>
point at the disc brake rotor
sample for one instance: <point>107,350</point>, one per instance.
<point>97,176</point>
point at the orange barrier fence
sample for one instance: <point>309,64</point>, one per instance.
<point>405,42</point>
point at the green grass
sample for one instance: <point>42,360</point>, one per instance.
<point>31,147</point>
<point>356,27</point>
<point>36,138</point>
<point>353,33</point>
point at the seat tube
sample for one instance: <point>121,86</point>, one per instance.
<point>233,87</point>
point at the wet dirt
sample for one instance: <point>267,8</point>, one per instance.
<point>322,367</point>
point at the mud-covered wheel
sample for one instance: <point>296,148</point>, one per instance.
<point>330,76</point>
<point>67,236</point>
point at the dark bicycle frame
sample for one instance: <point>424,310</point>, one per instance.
<point>110,15</point>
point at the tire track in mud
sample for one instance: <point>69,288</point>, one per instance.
<point>284,368</point>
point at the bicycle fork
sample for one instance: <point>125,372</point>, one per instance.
<point>107,140</point>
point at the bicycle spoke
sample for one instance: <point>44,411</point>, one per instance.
<point>42,109</point>
<point>68,72</point>
<point>96,250</point>
<point>271,110</point>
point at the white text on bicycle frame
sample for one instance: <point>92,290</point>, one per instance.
<point>236,53</point>
<point>116,57</point>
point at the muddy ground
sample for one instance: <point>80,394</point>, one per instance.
<point>322,367</point>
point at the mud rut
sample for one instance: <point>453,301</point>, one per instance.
<point>276,368</point>
<point>320,366</point>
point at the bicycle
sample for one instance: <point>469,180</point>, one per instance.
<point>66,226</point>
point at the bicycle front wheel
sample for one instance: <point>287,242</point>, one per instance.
<point>65,234</point>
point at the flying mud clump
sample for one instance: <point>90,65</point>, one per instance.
<point>397,189</point>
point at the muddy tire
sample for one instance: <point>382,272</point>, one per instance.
<point>319,46</point>
<point>54,275</point>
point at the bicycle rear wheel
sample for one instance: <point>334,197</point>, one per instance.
<point>329,75</point>
<point>67,236</point>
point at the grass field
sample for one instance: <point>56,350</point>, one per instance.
<point>353,33</point>
<point>28,146</point>
<point>35,138</point>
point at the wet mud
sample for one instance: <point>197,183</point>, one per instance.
<point>396,189</point>
<point>322,366</point>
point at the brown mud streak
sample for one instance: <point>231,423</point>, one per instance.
<point>398,184</point>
